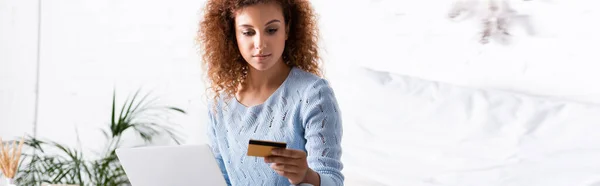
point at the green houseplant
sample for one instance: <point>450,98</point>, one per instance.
<point>50,162</point>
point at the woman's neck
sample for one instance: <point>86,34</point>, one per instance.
<point>267,79</point>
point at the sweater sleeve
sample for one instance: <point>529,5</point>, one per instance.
<point>214,145</point>
<point>323,133</point>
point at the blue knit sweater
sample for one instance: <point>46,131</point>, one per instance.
<point>302,112</point>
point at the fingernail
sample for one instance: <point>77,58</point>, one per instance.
<point>275,152</point>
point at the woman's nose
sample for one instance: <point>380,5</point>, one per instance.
<point>259,42</point>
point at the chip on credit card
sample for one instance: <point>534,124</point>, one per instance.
<point>263,148</point>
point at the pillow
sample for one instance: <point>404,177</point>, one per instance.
<point>400,130</point>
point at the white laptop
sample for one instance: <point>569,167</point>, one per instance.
<point>182,165</point>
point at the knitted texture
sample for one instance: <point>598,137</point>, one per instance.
<point>303,112</point>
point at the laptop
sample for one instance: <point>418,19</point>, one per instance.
<point>181,165</point>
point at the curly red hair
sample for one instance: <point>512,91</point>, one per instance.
<point>221,57</point>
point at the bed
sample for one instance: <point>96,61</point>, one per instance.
<point>402,130</point>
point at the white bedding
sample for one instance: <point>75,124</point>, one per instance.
<point>400,130</point>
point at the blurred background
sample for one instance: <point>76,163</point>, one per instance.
<point>61,60</point>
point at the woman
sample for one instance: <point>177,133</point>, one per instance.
<point>261,59</point>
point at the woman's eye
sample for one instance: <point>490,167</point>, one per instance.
<point>272,30</point>
<point>247,33</point>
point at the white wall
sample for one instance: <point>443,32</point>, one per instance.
<point>91,46</point>
<point>18,47</point>
<point>88,47</point>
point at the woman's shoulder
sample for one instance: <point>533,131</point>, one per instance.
<point>302,76</point>
<point>308,82</point>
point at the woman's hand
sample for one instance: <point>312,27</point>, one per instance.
<point>293,165</point>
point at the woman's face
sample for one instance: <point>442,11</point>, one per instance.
<point>260,32</point>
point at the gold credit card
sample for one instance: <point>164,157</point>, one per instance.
<point>262,148</point>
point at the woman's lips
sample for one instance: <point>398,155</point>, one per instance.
<point>262,57</point>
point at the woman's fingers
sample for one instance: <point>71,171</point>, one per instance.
<point>281,160</point>
<point>285,168</point>
<point>289,163</point>
<point>287,174</point>
<point>290,153</point>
